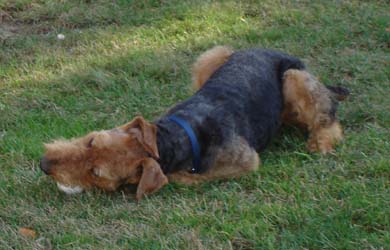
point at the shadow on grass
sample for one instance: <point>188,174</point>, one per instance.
<point>89,14</point>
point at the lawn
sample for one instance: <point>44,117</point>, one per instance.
<point>124,58</point>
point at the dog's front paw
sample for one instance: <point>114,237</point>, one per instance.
<point>320,145</point>
<point>323,140</point>
<point>312,145</point>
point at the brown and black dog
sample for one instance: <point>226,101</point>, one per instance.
<point>234,114</point>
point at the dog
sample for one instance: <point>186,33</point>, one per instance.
<point>241,100</point>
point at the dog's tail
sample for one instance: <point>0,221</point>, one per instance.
<point>207,63</point>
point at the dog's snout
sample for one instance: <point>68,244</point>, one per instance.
<point>45,165</point>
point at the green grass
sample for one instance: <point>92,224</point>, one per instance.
<point>123,58</point>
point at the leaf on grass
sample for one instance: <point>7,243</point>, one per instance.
<point>27,232</point>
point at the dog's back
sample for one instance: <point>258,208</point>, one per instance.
<point>242,99</point>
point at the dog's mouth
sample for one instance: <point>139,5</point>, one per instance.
<point>69,189</point>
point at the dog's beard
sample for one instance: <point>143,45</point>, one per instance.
<point>69,190</point>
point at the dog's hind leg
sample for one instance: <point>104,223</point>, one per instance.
<point>233,160</point>
<point>308,104</point>
<point>207,63</point>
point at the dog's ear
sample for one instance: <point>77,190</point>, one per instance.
<point>152,178</point>
<point>146,134</point>
<point>339,92</point>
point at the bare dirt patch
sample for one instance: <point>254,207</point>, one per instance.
<point>11,27</point>
<point>8,30</point>
<point>8,27</point>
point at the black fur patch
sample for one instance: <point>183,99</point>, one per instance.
<point>340,93</point>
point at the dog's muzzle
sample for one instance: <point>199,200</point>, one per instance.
<point>68,189</point>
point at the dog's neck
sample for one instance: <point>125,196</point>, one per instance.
<point>173,146</point>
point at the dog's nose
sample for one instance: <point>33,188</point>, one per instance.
<point>45,165</point>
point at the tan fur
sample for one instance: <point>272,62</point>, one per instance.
<point>231,161</point>
<point>108,159</point>
<point>323,139</point>
<point>208,63</point>
<point>152,178</point>
<point>307,103</point>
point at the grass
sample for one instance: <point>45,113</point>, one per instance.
<point>123,58</point>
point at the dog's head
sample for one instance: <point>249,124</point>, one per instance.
<point>107,159</point>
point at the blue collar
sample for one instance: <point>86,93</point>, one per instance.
<point>194,142</point>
